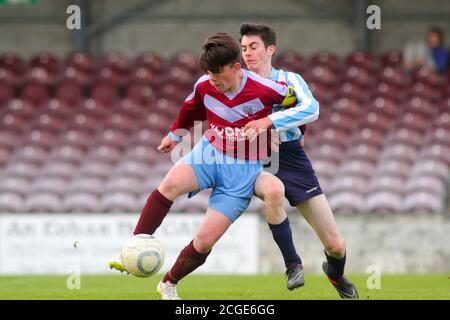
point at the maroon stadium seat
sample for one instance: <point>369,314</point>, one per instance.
<point>347,106</point>
<point>364,152</point>
<point>150,60</point>
<point>147,137</point>
<point>361,59</point>
<point>325,168</point>
<point>383,105</point>
<point>20,108</point>
<point>30,153</point>
<point>430,184</point>
<point>110,137</point>
<point>45,60</point>
<point>289,60</point>
<point>384,202</point>
<point>321,74</point>
<point>11,122</point>
<point>81,202</point>
<point>358,75</point>
<point>394,168</point>
<point>9,140</point>
<point>131,169</point>
<point>359,168</point>
<point>104,153</point>
<point>76,138</point>
<point>96,169</point>
<point>105,93</point>
<point>60,169</point>
<point>330,136</point>
<point>47,122</point>
<point>116,61</point>
<point>404,136</point>
<point>438,136</point>
<point>131,109</point>
<point>392,58</point>
<point>412,121</point>
<point>327,152</point>
<point>43,202</point>
<point>40,138</point>
<point>423,202</point>
<point>11,202</point>
<point>58,108</point>
<point>119,122</point>
<point>25,170</point>
<point>436,152</point>
<point>18,185</point>
<point>84,122</point>
<point>388,183</point>
<point>12,62</point>
<point>67,153</point>
<point>185,59</point>
<point>142,94</point>
<point>123,184</point>
<point>367,136</point>
<point>55,185</point>
<point>80,61</point>
<point>375,121</point>
<point>432,168</point>
<point>325,58</point>
<point>348,183</point>
<point>140,153</point>
<point>86,184</point>
<point>120,202</point>
<point>399,152</point>
<point>419,105</point>
<point>394,75</point>
<point>345,202</point>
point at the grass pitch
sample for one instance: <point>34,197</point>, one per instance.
<point>221,287</point>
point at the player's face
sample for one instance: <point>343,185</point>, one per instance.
<point>255,54</point>
<point>226,79</point>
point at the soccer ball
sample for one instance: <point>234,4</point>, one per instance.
<point>143,255</point>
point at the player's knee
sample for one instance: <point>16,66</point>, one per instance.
<point>203,243</point>
<point>274,196</point>
<point>336,247</point>
<point>170,187</point>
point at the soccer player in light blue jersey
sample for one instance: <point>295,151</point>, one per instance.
<point>302,188</point>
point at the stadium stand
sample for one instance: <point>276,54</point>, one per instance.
<point>79,134</point>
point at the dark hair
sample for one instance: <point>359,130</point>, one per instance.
<point>267,34</point>
<point>218,51</point>
<point>439,32</point>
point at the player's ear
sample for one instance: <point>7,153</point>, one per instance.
<point>271,50</point>
<point>237,66</point>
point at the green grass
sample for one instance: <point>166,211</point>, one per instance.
<point>261,287</point>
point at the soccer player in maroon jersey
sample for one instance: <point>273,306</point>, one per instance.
<point>224,160</point>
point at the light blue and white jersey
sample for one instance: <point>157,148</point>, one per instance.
<point>307,110</point>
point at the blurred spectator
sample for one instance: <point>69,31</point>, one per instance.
<point>430,52</point>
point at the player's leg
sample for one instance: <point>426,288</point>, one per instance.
<point>270,189</point>
<point>214,225</point>
<point>180,179</point>
<point>318,214</point>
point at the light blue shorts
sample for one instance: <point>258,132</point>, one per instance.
<point>232,180</point>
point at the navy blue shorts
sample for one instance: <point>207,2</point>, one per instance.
<point>296,173</point>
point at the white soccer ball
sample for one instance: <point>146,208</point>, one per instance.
<point>143,255</point>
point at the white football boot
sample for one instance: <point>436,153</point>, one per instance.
<point>168,291</point>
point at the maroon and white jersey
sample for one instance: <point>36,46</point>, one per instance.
<point>228,113</point>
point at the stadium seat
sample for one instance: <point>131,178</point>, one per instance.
<point>364,152</point>
<point>418,105</point>
<point>427,75</point>
<point>59,169</point>
<point>105,93</point>
<point>142,94</point>
<point>404,136</point>
<point>104,153</point>
<point>384,202</point>
<point>444,105</point>
<point>35,85</point>
<point>43,202</point>
<point>367,136</point>
<point>86,184</point>
<point>354,74</point>
<point>386,90</point>
<point>394,75</point>
<point>325,168</point>
<point>20,108</point>
<point>375,121</point>
<point>114,60</point>
<point>125,184</point>
<point>120,202</point>
<point>133,169</point>
<point>431,167</point>
<point>423,202</point>
<point>327,152</point>
<point>182,75</point>
<point>11,202</point>
<point>6,93</point>
<point>45,60</point>
<point>383,105</point>
<point>9,140</point>
<point>47,122</point>
<point>347,106</point>
<point>289,60</point>
<point>352,91</point>
<point>348,183</point>
<point>438,136</point>
<point>391,58</point>
<point>110,137</point>
<point>55,185</point>
<point>25,170</point>
<point>11,122</point>
<point>147,137</point>
<point>70,92</point>
<point>321,74</point>
<point>58,108</point>
<point>361,168</point>
<point>131,109</point>
<point>4,156</point>
<point>40,138</point>
<point>76,138</point>
<point>330,136</point>
<point>81,202</point>
<point>346,202</point>
<point>12,62</point>
<point>16,185</point>
<point>80,61</point>
<point>67,154</point>
<point>393,168</point>
<point>150,60</point>
<point>410,120</point>
<point>436,152</point>
<point>399,152</point>
<point>431,184</point>
<point>325,58</point>
<point>96,169</point>
<point>84,122</point>
<point>94,109</point>
<point>140,153</point>
<point>361,59</point>
<point>186,60</point>
<point>388,183</point>
<point>30,153</point>
<point>119,122</point>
